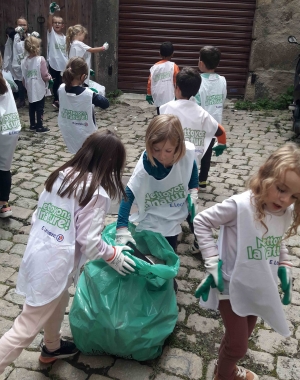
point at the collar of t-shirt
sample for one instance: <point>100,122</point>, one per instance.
<point>158,171</point>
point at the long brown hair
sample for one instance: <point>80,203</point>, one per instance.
<point>3,86</point>
<point>76,67</point>
<point>103,155</point>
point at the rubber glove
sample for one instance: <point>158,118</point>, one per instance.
<point>20,30</point>
<point>35,34</point>
<point>50,83</point>
<point>149,99</point>
<point>214,278</point>
<point>105,46</point>
<point>192,203</point>
<point>219,148</point>
<point>123,236</point>
<point>285,276</point>
<point>53,7</point>
<point>120,262</point>
<point>92,73</point>
<point>93,89</point>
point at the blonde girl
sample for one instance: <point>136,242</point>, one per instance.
<point>10,127</point>
<point>77,48</point>
<point>80,101</point>
<point>162,179</point>
<point>65,233</point>
<point>35,78</point>
<point>249,255</point>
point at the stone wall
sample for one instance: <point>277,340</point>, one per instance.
<point>272,58</point>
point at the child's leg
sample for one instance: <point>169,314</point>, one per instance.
<point>32,114</point>
<point>57,79</point>
<point>157,110</point>
<point>235,341</point>
<point>172,241</point>
<point>205,163</point>
<point>25,328</point>
<point>40,113</point>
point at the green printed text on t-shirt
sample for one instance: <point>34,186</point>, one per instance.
<point>55,216</point>
<point>158,198</point>
<point>265,248</point>
<point>9,122</point>
<point>74,115</point>
<point>194,136</point>
<point>213,99</point>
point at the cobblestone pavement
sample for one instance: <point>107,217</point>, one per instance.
<point>191,349</point>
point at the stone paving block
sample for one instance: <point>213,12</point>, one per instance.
<point>262,358</point>
<point>30,360</point>
<point>22,239</point>
<point>288,368</point>
<point>3,289</point>
<point>8,309</point>
<point>23,374</point>
<point>99,377</point>
<point>13,297</point>
<point>5,235</point>
<point>21,213</point>
<point>6,372</point>
<point>272,342</point>
<point>10,260</point>
<point>65,328</point>
<point>201,324</point>
<point>25,229</point>
<point>10,224</point>
<point>5,325</point>
<point>5,245</point>
<point>65,371</point>
<point>181,363</point>
<point>6,273</point>
<point>19,249</point>
<point>96,361</point>
<point>184,285</point>
<point>12,280</point>
<point>185,299</point>
<point>130,370</point>
<point>26,203</point>
<point>164,376</point>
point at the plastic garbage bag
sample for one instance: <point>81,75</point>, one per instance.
<point>129,316</point>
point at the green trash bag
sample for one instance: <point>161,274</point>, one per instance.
<point>129,316</point>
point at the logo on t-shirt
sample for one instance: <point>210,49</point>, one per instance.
<point>55,216</point>
<point>74,115</point>
<point>213,99</point>
<point>9,122</point>
<point>158,198</point>
<point>194,136</point>
<point>265,248</point>
<point>162,76</point>
<point>31,73</point>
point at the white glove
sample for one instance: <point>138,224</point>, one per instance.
<point>105,46</point>
<point>53,7</point>
<point>123,236</point>
<point>35,34</point>
<point>120,262</point>
<point>20,30</point>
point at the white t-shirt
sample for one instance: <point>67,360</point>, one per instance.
<point>80,49</point>
<point>57,57</point>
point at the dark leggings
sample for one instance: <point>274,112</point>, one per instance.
<point>205,162</point>
<point>5,185</point>
<point>22,90</point>
<point>172,241</point>
<point>57,79</point>
<point>38,109</point>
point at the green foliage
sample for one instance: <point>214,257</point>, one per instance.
<point>113,96</point>
<point>280,103</point>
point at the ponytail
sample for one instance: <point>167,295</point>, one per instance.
<point>76,67</point>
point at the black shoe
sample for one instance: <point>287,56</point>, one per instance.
<point>66,350</point>
<point>21,104</point>
<point>42,130</point>
<point>195,247</point>
<point>32,128</point>
<point>55,104</point>
<point>203,184</point>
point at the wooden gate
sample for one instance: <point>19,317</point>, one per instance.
<point>189,25</point>
<point>36,12</point>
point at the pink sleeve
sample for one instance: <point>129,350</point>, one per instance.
<point>89,225</point>
<point>44,71</point>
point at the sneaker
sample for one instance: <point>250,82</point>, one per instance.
<point>195,247</point>
<point>5,211</point>
<point>203,184</point>
<point>242,373</point>
<point>55,104</point>
<point>21,104</point>
<point>66,350</point>
<point>32,128</point>
<point>42,130</point>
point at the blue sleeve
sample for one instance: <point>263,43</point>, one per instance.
<point>100,101</point>
<point>124,209</point>
<point>194,181</point>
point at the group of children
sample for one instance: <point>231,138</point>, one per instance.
<point>242,267</point>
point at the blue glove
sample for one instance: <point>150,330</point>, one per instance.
<point>285,276</point>
<point>149,99</point>
<point>214,278</point>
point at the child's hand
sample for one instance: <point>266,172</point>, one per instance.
<point>50,83</point>
<point>285,276</point>
<point>192,203</point>
<point>53,7</point>
<point>219,148</point>
<point>92,73</point>
<point>105,46</point>
<point>94,90</point>
<point>149,99</point>
<point>123,236</point>
<point>20,30</point>
<point>35,34</point>
<point>120,262</point>
<point>214,278</point>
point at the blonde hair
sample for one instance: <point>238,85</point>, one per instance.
<point>163,128</point>
<point>32,45</point>
<point>59,18</point>
<point>76,67</point>
<point>71,33</point>
<point>285,158</point>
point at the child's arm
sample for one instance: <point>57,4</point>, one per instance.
<point>194,181</point>
<point>221,135</point>
<point>149,97</point>
<point>100,101</point>
<point>123,235</point>
<point>98,49</point>
<point>176,71</point>
<point>285,274</point>
<point>53,7</point>
<point>44,70</point>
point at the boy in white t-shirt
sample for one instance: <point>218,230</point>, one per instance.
<point>57,58</point>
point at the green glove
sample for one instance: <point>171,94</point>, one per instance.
<point>219,149</point>
<point>149,99</point>
<point>93,89</point>
<point>92,73</point>
<point>285,276</point>
<point>53,7</point>
<point>214,278</point>
<point>191,203</point>
<point>50,83</point>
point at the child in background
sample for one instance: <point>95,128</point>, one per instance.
<point>76,115</point>
<point>78,193</point>
<point>76,48</point>
<point>211,97</point>
<point>249,255</point>
<point>57,58</point>
<point>9,133</point>
<point>162,78</point>
<point>35,77</point>
<point>164,176</point>
<point>8,49</point>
